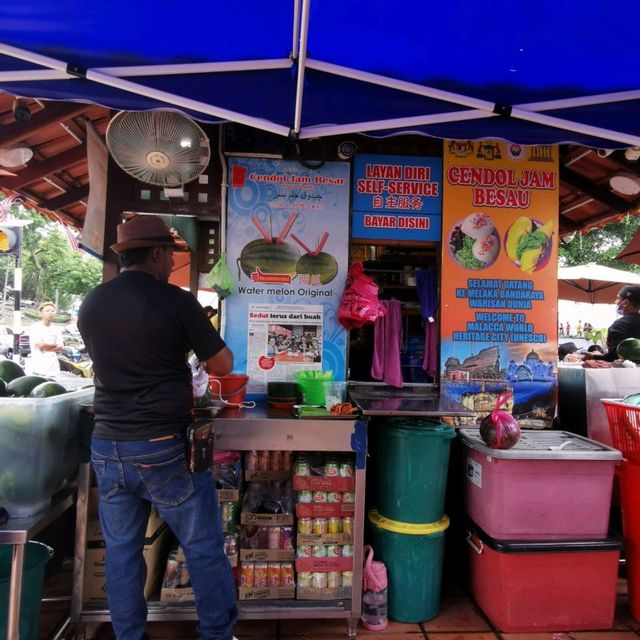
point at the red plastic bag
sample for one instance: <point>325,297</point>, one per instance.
<point>499,429</point>
<point>359,303</point>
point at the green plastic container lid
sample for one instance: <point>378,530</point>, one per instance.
<point>420,427</point>
<point>408,528</point>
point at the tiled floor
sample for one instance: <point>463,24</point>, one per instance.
<point>459,619</point>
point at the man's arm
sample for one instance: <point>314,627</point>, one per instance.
<point>221,363</point>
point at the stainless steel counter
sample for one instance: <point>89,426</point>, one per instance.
<point>410,400</point>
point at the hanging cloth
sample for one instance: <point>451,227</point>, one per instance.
<point>427,285</point>
<point>387,340</point>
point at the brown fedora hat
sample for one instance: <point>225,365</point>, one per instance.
<point>144,231</point>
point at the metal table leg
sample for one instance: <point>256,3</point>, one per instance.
<point>15,591</point>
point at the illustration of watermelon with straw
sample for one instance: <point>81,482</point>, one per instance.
<point>270,259</point>
<point>316,264</point>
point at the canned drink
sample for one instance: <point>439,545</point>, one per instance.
<point>286,460</point>
<point>261,574</point>
<point>334,580</point>
<point>334,551</point>
<point>348,497</point>
<point>287,579</point>
<point>230,545</point>
<point>347,525</point>
<point>347,578</point>
<point>263,460</point>
<point>319,580</point>
<point>274,573</point>
<point>302,467</point>
<point>286,540</point>
<point>305,525</point>
<point>334,496</point>
<point>347,551</point>
<point>319,551</point>
<point>275,538</point>
<point>319,496</point>
<point>305,496</point>
<point>346,470</point>
<point>274,461</point>
<point>304,579</point>
<point>331,469</point>
<point>335,525</point>
<point>305,551</point>
<point>247,573</point>
<point>251,460</point>
<point>319,525</point>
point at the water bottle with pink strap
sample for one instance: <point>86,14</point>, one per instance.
<point>374,593</point>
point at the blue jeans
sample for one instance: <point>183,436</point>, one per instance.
<point>131,476</point>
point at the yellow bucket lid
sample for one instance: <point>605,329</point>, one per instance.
<point>407,527</point>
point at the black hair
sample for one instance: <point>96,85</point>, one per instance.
<point>595,347</point>
<point>131,257</point>
<point>210,311</point>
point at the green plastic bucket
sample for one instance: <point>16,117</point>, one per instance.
<point>413,461</point>
<point>413,555</point>
<point>311,385</point>
<point>36,556</point>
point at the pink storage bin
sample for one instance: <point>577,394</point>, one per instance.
<point>537,491</point>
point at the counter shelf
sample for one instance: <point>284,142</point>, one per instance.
<point>244,430</point>
<point>17,532</point>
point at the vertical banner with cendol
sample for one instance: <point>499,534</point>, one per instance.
<point>287,244</point>
<point>499,277</point>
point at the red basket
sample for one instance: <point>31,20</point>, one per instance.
<point>624,425</point>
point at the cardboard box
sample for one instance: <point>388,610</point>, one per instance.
<point>267,555</point>
<point>266,593</point>
<point>266,519</point>
<point>228,495</point>
<point>267,475</point>
<point>324,483</point>
<point>324,564</point>
<point>324,538</point>
<point>179,594</point>
<point>156,545</point>
<point>325,509</point>
<point>311,593</point>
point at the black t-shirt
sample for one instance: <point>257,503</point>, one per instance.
<point>623,328</point>
<point>138,332</point>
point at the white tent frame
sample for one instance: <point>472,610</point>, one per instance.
<point>54,69</point>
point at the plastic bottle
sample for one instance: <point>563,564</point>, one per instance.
<point>374,593</point>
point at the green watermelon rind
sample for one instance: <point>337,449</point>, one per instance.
<point>24,385</point>
<point>10,370</point>
<point>269,257</point>
<point>47,389</point>
<point>629,349</point>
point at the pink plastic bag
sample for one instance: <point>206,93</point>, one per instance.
<point>359,303</point>
<point>499,429</point>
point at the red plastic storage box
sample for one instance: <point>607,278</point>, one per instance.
<point>537,490</point>
<point>527,586</point>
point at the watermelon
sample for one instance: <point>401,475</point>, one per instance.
<point>629,349</point>
<point>24,386</point>
<point>47,390</point>
<point>269,257</point>
<point>323,265</point>
<point>9,370</point>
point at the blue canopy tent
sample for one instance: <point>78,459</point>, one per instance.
<point>534,73</point>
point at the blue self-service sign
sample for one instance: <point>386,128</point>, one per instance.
<point>397,198</point>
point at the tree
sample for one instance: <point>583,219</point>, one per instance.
<point>601,245</point>
<point>51,269</point>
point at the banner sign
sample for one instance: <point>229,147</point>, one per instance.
<point>499,277</point>
<point>287,245</point>
<point>397,198</point>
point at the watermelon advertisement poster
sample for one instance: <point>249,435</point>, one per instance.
<point>499,277</point>
<point>287,246</point>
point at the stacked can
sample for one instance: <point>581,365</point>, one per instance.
<point>266,574</point>
<point>268,460</point>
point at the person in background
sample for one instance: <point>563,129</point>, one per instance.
<point>627,326</point>
<point>138,329</point>
<point>212,314</point>
<point>46,343</point>
<point>595,348</point>
<point>561,330</point>
<point>579,329</point>
<point>568,330</point>
<point>567,352</point>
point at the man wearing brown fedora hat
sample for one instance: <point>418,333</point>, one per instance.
<point>138,330</point>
